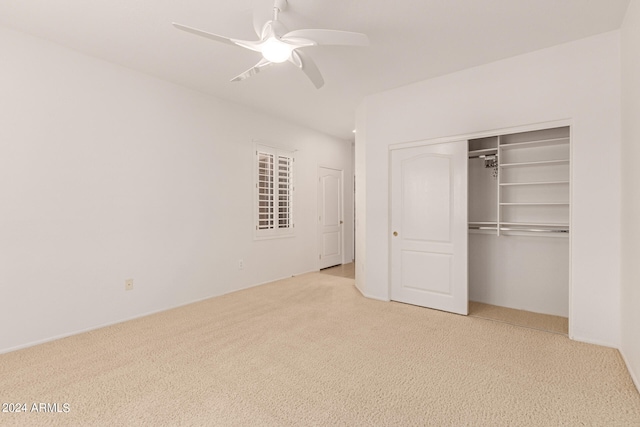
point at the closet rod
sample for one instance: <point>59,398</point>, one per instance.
<point>482,156</point>
<point>536,230</point>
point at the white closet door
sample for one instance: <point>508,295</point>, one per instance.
<point>429,226</point>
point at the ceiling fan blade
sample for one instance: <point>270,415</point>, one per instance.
<point>197,32</point>
<point>242,43</point>
<point>257,26</point>
<point>258,22</point>
<point>262,13</point>
<point>302,61</point>
<point>251,71</point>
<point>326,37</point>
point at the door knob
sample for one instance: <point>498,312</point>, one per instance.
<point>341,221</point>
<point>395,233</point>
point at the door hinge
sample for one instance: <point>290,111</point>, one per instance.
<point>320,256</point>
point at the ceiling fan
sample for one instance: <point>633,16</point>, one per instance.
<point>277,44</point>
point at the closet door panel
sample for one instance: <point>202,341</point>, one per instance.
<point>428,226</point>
<point>426,272</point>
<point>426,202</point>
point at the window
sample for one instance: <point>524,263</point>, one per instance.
<point>274,192</point>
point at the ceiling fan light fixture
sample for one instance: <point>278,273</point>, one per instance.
<point>273,50</point>
<point>276,44</point>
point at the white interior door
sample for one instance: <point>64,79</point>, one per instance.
<point>330,216</point>
<point>429,226</point>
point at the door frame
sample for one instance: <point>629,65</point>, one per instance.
<point>318,225</point>
<point>487,133</point>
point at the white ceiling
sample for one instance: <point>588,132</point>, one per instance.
<point>411,40</point>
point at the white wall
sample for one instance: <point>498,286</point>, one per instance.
<point>108,174</point>
<point>578,81</point>
<point>360,199</point>
<point>525,272</point>
<point>631,190</point>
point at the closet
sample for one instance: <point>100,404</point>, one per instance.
<point>519,220</point>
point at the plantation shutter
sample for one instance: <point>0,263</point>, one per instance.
<point>274,192</point>
<point>284,192</point>
<point>265,191</point>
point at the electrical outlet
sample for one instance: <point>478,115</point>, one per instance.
<point>128,285</point>
<point>240,264</point>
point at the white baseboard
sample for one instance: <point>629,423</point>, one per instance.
<point>634,376</point>
<point>100,326</point>
<point>104,325</point>
<point>364,294</point>
<point>592,341</point>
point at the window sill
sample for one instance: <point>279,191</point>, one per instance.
<point>274,236</point>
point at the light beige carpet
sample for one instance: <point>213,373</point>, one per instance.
<point>310,350</point>
<point>344,270</point>
<point>527,319</point>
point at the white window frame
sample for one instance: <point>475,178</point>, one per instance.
<point>273,197</point>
